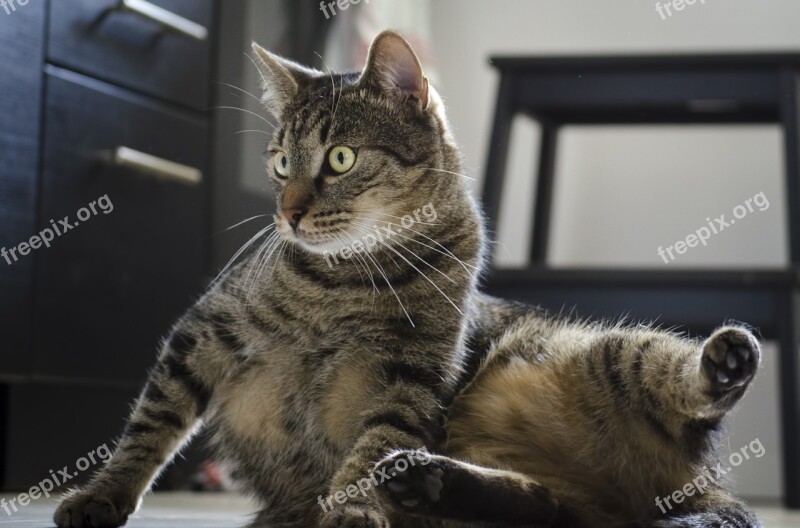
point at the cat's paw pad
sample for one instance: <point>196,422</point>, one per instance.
<point>730,359</point>
<point>84,509</point>
<point>412,487</point>
<point>354,517</point>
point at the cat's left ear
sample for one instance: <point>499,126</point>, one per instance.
<point>394,67</point>
<point>281,79</point>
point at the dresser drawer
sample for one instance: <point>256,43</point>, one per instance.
<point>134,51</point>
<point>110,287</point>
<point>21,47</point>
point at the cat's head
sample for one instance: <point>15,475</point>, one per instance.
<point>354,151</point>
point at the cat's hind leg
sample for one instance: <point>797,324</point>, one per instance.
<point>716,510</point>
<point>709,519</point>
<point>449,489</point>
<point>700,383</point>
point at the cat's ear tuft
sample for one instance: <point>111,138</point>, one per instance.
<point>281,79</point>
<point>394,67</point>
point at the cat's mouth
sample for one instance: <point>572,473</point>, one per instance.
<point>315,239</point>
<point>329,232</point>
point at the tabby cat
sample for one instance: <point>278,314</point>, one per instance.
<point>578,425</point>
<point>305,370</point>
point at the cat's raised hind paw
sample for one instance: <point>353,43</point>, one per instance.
<point>730,360</point>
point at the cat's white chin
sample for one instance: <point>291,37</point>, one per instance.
<point>308,241</point>
<point>319,247</point>
<point>357,239</point>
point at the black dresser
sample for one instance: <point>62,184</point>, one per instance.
<point>105,138</point>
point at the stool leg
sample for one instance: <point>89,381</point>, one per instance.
<point>548,145</point>
<point>498,153</point>
<point>789,335</point>
<point>790,118</point>
<point>790,325</point>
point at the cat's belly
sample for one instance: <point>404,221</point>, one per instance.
<point>283,426</point>
<point>530,417</point>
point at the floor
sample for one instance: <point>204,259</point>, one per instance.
<point>179,510</point>
<point>161,510</point>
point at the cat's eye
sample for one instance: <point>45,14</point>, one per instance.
<point>341,159</point>
<point>281,162</point>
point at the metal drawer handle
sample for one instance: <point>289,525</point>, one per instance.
<point>166,18</point>
<point>158,167</point>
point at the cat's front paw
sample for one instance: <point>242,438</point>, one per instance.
<point>354,517</point>
<point>416,488</point>
<point>730,360</point>
<point>87,509</point>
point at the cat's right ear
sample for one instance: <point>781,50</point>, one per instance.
<point>393,67</point>
<point>280,79</point>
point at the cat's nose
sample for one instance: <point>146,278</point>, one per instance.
<point>293,215</point>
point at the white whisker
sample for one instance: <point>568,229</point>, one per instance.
<point>447,251</point>
<point>338,100</point>
<point>245,111</point>
<point>390,248</point>
<point>390,216</point>
<point>259,131</point>
<point>234,226</point>
<point>388,283</point>
<point>333,83</point>
<point>281,243</point>
<point>353,262</point>
<point>270,242</point>
<point>241,90</point>
<point>448,172</point>
<point>361,258</point>
<point>241,250</point>
<point>425,261</point>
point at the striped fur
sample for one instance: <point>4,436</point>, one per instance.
<point>574,424</point>
<point>303,374</point>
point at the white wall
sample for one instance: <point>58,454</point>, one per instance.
<point>621,193</point>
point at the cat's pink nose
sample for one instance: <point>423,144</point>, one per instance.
<point>293,215</point>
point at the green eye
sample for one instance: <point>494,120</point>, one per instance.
<point>341,159</point>
<point>281,161</point>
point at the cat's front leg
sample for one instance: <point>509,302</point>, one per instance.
<point>444,488</point>
<point>170,406</point>
<point>406,414</point>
